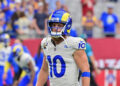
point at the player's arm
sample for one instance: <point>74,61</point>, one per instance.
<point>82,62</point>
<point>43,74</point>
<point>31,67</point>
<point>97,22</point>
<point>92,58</point>
<point>36,26</point>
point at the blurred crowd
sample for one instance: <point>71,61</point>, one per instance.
<point>27,18</point>
<point>108,20</point>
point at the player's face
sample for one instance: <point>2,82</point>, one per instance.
<point>57,27</point>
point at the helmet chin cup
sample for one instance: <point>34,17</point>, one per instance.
<point>56,34</point>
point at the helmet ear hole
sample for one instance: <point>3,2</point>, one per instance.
<point>50,24</point>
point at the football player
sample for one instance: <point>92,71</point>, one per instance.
<point>25,62</point>
<point>5,50</point>
<point>64,55</point>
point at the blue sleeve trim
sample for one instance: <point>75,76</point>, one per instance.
<point>86,74</point>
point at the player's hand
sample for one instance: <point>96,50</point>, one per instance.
<point>30,84</point>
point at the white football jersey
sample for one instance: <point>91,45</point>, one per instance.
<point>4,54</point>
<point>23,62</point>
<point>63,70</point>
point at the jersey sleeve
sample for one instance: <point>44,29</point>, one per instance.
<point>79,43</point>
<point>116,19</point>
<point>44,44</point>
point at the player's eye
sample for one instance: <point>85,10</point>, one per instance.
<point>53,25</point>
<point>60,25</point>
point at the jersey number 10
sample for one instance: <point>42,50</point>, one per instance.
<point>53,67</point>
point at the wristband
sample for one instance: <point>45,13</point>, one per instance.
<point>86,74</point>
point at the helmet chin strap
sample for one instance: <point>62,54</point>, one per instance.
<point>61,37</point>
<point>56,34</point>
<point>64,40</point>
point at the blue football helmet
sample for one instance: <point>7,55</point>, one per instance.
<point>17,50</point>
<point>5,38</point>
<point>60,16</point>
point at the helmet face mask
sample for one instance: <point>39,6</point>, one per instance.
<point>59,17</point>
<point>56,29</point>
<point>16,54</point>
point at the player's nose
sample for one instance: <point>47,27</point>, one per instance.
<point>56,29</point>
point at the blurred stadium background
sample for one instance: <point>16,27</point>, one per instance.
<point>26,19</point>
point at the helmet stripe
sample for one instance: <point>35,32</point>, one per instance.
<point>50,16</point>
<point>65,17</point>
<point>18,47</point>
<point>15,48</point>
